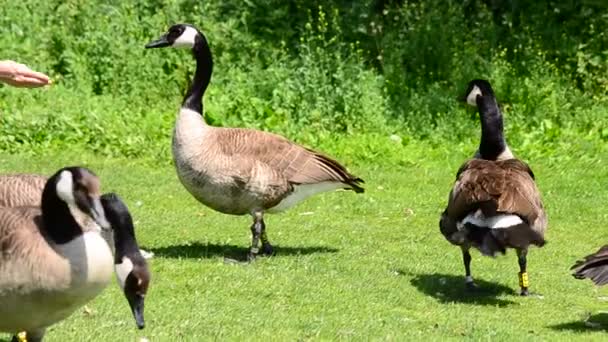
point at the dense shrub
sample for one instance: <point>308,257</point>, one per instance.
<point>313,70</point>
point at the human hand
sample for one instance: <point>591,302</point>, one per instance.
<point>19,75</point>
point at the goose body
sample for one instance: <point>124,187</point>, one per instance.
<point>24,191</point>
<point>242,171</point>
<point>53,259</point>
<point>494,203</point>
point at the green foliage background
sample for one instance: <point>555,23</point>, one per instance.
<point>341,75</point>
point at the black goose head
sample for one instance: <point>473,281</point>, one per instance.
<point>73,187</point>
<point>477,88</point>
<point>178,36</point>
<point>131,268</point>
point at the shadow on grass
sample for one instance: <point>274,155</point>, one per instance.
<point>449,288</point>
<point>207,251</point>
<point>597,322</point>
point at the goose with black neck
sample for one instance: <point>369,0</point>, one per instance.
<point>242,171</point>
<point>494,203</point>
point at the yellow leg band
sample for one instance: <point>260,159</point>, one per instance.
<point>523,279</point>
<point>22,337</point>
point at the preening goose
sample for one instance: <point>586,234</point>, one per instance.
<point>494,204</point>
<point>242,171</point>
<point>132,271</point>
<point>594,267</point>
<point>53,259</point>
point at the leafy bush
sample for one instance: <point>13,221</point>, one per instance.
<point>317,71</point>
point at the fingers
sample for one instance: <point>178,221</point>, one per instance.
<point>19,75</point>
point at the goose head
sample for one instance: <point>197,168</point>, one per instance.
<point>73,188</point>
<point>477,88</point>
<point>178,36</point>
<point>131,268</point>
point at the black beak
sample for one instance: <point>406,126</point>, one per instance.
<point>159,43</point>
<point>137,306</point>
<point>462,98</point>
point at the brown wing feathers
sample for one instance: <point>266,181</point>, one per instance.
<point>21,189</point>
<point>594,267</point>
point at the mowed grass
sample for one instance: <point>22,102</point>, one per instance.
<point>352,267</point>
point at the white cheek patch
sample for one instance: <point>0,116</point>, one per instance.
<point>122,271</point>
<point>65,187</point>
<point>472,97</point>
<point>186,39</point>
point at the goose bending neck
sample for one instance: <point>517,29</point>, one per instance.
<point>204,66</point>
<point>124,240</point>
<point>59,224</point>
<point>493,142</point>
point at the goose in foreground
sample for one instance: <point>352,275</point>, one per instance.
<point>133,275</point>
<point>53,259</point>
<point>25,189</point>
<point>130,265</point>
<point>494,204</point>
<point>594,267</point>
<point>242,171</point>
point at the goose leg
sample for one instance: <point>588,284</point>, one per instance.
<point>466,258</point>
<point>266,246</point>
<point>256,233</point>
<point>523,274</point>
<point>29,336</point>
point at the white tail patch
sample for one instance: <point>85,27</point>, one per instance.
<point>301,192</point>
<point>186,39</point>
<point>494,222</point>
<point>65,187</point>
<point>472,97</point>
<point>122,271</point>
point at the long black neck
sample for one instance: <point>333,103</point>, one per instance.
<point>59,223</point>
<point>124,241</point>
<point>204,67</point>
<point>492,136</point>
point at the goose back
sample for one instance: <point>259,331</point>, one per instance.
<point>21,189</point>
<point>496,188</point>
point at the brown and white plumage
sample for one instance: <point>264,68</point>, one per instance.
<point>21,189</point>
<point>242,171</point>
<point>594,267</point>
<point>497,189</point>
<point>52,258</point>
<point>494,203</point>
<point>25,190</point>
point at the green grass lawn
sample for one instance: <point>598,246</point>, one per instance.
<point>352,267</point>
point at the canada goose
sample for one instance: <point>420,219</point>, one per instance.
<point>494,204</point>
<point>594,267</point>
<point>131,268</point>
<point>25,189</point>
<point>242,171</point>
<point>52,258</point>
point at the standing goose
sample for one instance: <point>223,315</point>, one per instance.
<point>494,204</point>
<point>52,258</point>
<point>133,275</point>
<point>242,171</point>
<point>594,267</point>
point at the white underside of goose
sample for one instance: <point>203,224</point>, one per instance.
<point>501,221</point>
<point>303,191</point>
<point>88,270</point>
